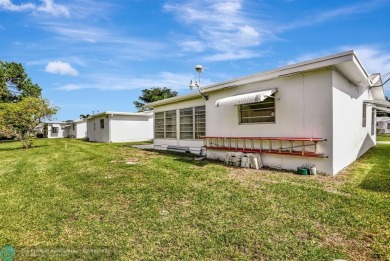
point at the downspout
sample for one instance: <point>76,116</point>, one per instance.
<point>109,128</point>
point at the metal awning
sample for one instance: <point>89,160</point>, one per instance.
<point>379,105</point>
<point>245,98</point>
<point>56,125</point>
<point>382,109</point>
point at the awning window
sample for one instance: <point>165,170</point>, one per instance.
<point>247,98</point>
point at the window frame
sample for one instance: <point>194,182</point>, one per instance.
<point>195,132</point>
<point>239,110</point>
<point>101,123</point>
<point>173,119</point>
<point>55,130</point>
<point>364,115</point>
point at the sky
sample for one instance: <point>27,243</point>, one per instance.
<point>91,56</point>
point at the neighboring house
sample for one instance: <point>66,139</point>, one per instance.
<point>319,112</point>
<point>55,129</point>
<point>77,129</point>
<point>383,124</point>
<point>120,126</point>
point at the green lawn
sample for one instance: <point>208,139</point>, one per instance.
<point>74,200</point>
<point>383,137</point>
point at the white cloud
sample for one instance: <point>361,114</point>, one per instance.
<point>192,45</point>
<point>374,59</point>
<point>62,68</point>
<point>8,5</point>
<point>52,8</point>
<point>175,81</point>
<point>220,25</point>
<point>244,54</point>
<point>47,6</point>
<point>326,15</point>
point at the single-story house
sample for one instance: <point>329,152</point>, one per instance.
<point>77,128</point>
<point>383,124</point>
<point>65,129</point>
<point>120,126</point>
<point>55,129</point>
<point>319,113</point>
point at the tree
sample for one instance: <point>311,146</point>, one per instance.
<point>83,116</point>
<point>15,84</point>
<point>19,119</point>
<point>152,95</point>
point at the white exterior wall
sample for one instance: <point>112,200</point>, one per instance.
<point>350,139</point>
<point>304,110</point>
<point>79,131</point>
<point>94,132</point>
<point>177,106</point>
<point>130,128</point>
<point>383,126</point>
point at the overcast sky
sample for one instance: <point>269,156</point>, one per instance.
<point>90,55</point>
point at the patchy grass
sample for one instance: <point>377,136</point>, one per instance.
<point>69,199</point>
<point>383,137</point>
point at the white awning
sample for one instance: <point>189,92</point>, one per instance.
<point>382,109</point>
<point>245,98</point>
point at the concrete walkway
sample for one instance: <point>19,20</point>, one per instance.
<point>145,146</point>
<point>383,142</point>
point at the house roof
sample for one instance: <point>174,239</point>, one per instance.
<point>347,63</point>
<point>140,114</point>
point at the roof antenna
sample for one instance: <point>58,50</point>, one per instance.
<point>194,84</point>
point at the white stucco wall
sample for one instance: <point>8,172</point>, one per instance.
<point>81,130</point>
<point>350,139</point>
<point>177,106</point>
<point>315,104</point>
<point>304,110</point>
<point>130,128</point>
<point>94,132</point>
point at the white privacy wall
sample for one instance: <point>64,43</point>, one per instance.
<point>81,130</point>
<point>177,106</point>
<point>130,128</point>
<point>350,139</point>
<point>95,133</point>
<point>304,110</point>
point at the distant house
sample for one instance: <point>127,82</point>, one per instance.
<point>64,129</point>
<point>319,112</point>
<point>55,129</point>
<point>383,124</point>
<point>77,129</point>
<point>120,126</point>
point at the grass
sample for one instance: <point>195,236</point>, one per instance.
<point>69,199</point>
<point>383,137</point>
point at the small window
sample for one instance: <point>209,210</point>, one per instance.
<point>101,123</point>
<point>373,120</point>
<point>73,126</point>
<point>364,115</point>
<point>54,130</point>
<point>261,112</point>
<point>94,126</point>
<point>388,126</point>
